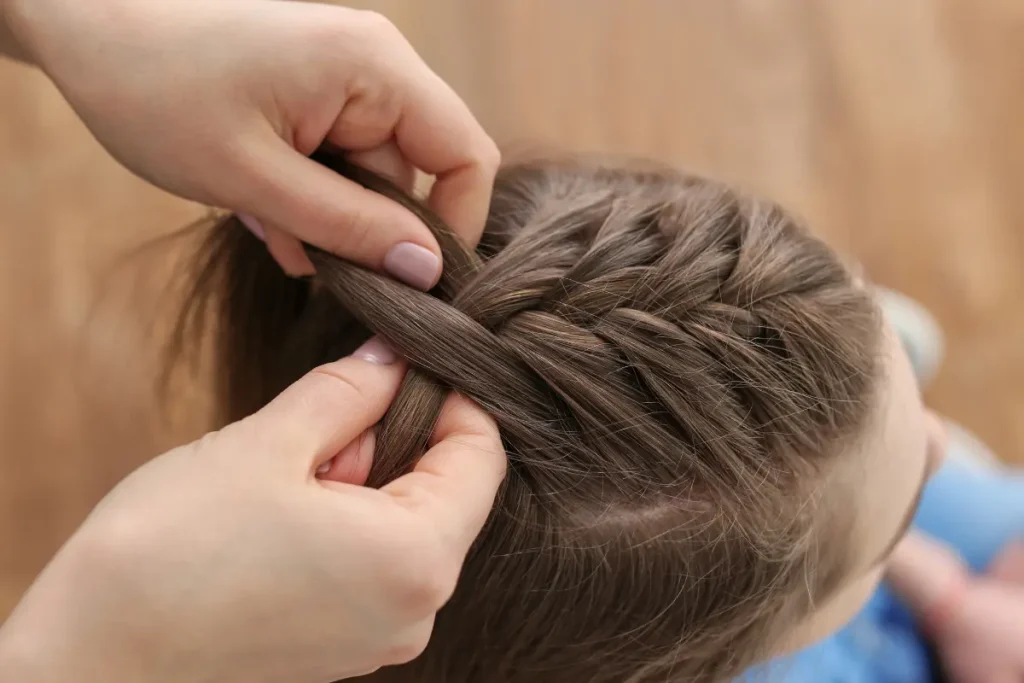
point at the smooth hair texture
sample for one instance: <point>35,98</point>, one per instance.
<point>674,367</point>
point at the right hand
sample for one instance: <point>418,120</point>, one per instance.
<point>221,102</point>
<point>230,560</point>
<point>976,622</point>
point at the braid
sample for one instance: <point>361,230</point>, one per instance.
<point>597,291</point>
<point>673,367</point>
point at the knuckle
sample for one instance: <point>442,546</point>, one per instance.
<point>490,156</point>
<point>425,590</point>
<point>218,449</point>
<point>413,645</point>
<point>117,545</point>
<point>337,390</point>
<point>376,25</point>
<point>486,428</point>
<point>427,593</point>
<point>208,442</point>
<point>245,178</point>
<point>290,433</point>
<point>359,224</point>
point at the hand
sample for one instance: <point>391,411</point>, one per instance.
<point>976,622</point>
<point>229,559</point>
<point>220,102</point>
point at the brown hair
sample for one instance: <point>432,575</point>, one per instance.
<point>673,366</point>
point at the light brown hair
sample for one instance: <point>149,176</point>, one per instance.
<point>674,368</point>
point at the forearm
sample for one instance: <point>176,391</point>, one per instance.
<point>47,662</point>
<point>58,634</point>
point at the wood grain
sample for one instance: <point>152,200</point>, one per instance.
<point>890,126</point>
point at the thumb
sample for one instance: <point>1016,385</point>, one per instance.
<point>320,207</point>
<point>927,576</point>
<point>456,481</point>
<point>323,412</point>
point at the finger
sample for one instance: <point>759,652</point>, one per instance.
<point>927,576</point>
<point>1005,677</point>
<point>387,160</point>
<point>284,248</point>
<point>288,252</point>
<point>968,668</point>
<point>995,615</point>
<point>455,482</point>
<point>317,416</point>
<point>320,207</point>
<point>436,132</point>
<point>352,465</point>
<point>1009,564</point>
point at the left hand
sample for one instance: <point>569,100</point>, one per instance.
<point>976,622</point>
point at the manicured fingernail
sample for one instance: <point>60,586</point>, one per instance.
<point>412,264</point>
<point>376,350</point>
<point>253,225</point>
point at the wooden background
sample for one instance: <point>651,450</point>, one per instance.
<point>892,126</point>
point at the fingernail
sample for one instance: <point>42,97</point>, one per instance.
<point>376,350</point>
<point>412,264</point>
<point>325,467</point>
<point>253,225</point>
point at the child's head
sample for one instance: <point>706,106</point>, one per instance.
<point>713,438</point>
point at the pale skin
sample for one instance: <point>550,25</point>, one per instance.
<point>176,574</point>
<point>231,559</point>
<point>254,554</point>
<point>221,101</point>
<point>977,622</point>
<point>904,445</point>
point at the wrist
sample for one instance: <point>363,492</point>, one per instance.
<point>24,658</point>
<point>34,650</point>
<point>61,630</point>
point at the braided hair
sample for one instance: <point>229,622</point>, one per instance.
<point>673,366</point>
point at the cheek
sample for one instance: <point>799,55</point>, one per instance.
<point>937,442</point>
<point>835,613</point>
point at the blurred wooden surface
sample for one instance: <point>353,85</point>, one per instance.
<point>891,126</point>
